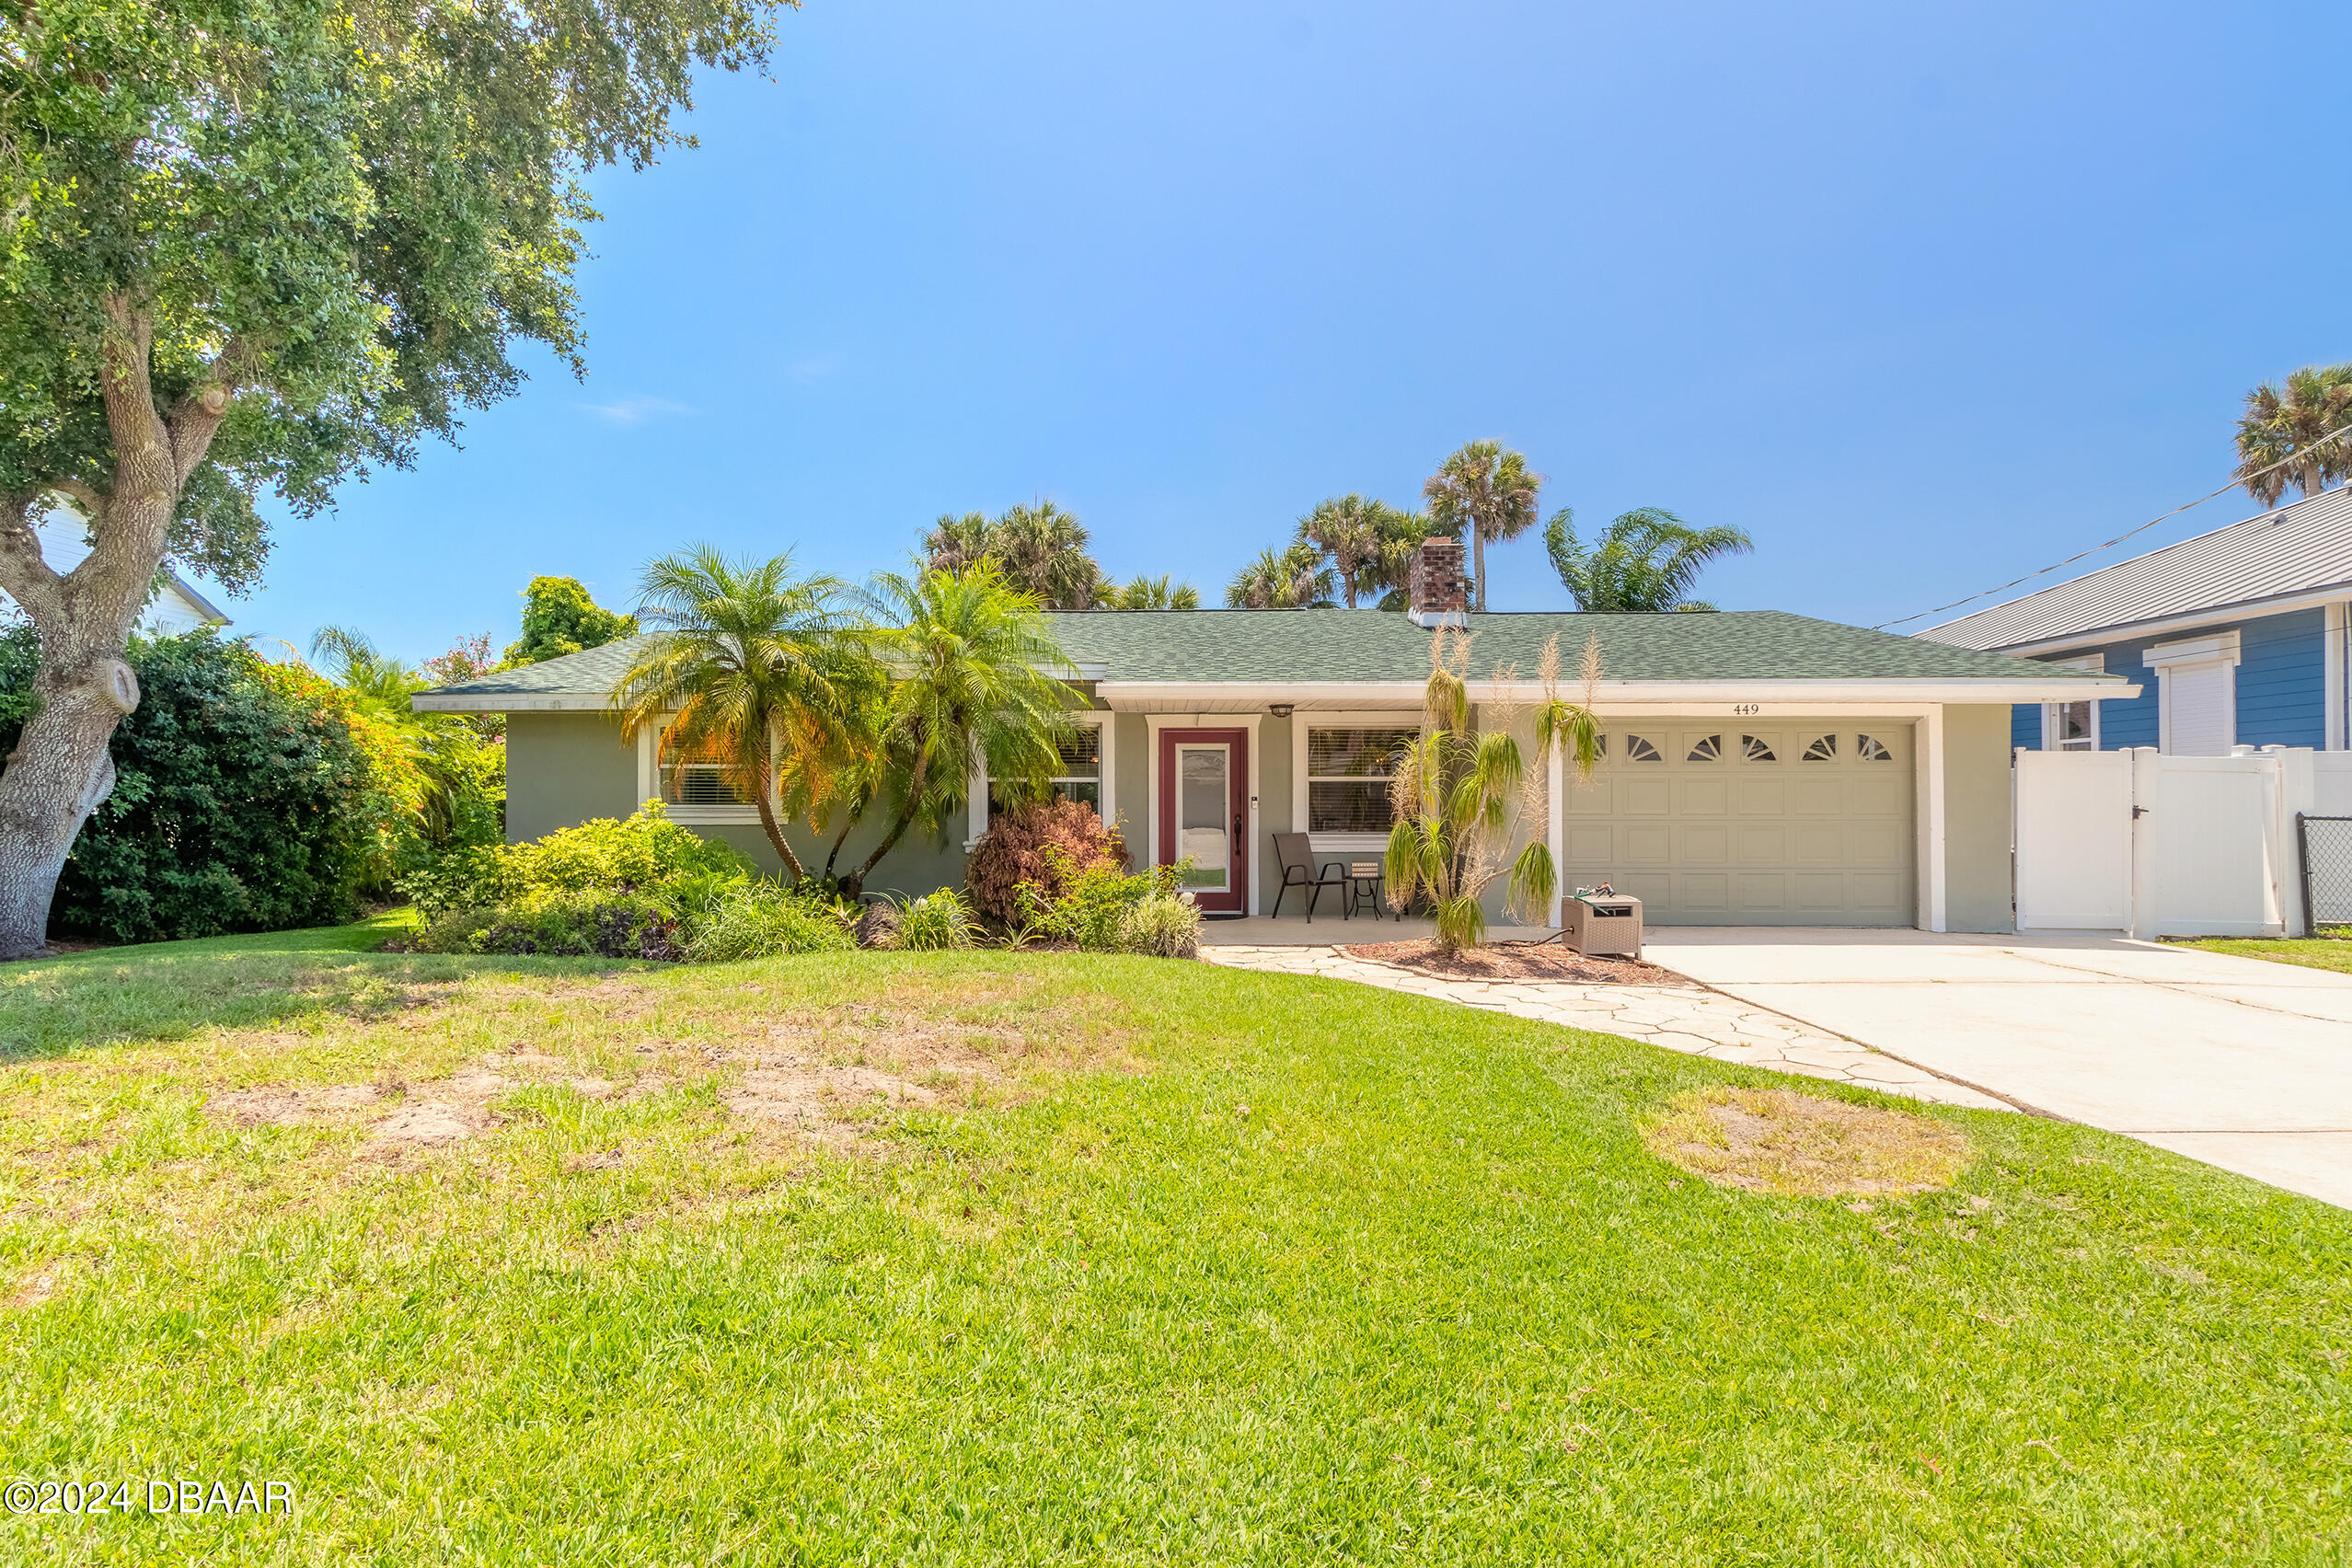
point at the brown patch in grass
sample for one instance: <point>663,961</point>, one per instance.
<point>35,1287</point>
<point>1514,960</point>
<point>280,1105</point>
<point>1775,1140</point>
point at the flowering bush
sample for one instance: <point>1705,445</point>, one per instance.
<point>935,923</point>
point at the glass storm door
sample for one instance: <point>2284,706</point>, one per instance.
<point>1203,813</point>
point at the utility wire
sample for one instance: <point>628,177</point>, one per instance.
<point>2119,538</point>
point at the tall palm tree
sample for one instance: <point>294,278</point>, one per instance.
<point>755,664</point>
<point>1645,559</point>
<point>2291,422</point>
<point>1487,489</point>
<point>1153,594</point>
<point>955,542</point>
<point>1281,579</point>
<point>968,655</point>
<point>1043,552</point>
<point>1402,536</point>
<point>1354,533</point>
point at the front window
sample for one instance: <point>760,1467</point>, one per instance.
<point>698,776</point>
<point>1078,776</point>
<point>1347,777</point>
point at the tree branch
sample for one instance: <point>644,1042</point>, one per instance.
<point>91,499</point>
<point>26,577</point>
<point>196,419</point>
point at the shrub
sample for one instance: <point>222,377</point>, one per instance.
<point>878,925</point>
<point>935,922</point>
<point>646,853</point>
<point>1013,851</point>
<point>243,802</point>
<point>1095,903</point>
<point>1162,925</point>
<point>472,877</point>
<point>763,920</point>
<point>599,924</point>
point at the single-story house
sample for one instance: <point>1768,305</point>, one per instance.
<point>175,607</point>
<point>2236,637</point>
<point>1761,767</point>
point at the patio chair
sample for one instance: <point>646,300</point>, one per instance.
<point>1298,871</point>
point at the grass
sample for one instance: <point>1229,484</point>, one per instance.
<point>1085,1258</point>
<point>2330,948</point>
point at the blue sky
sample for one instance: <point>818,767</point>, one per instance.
<point>1921,296</point>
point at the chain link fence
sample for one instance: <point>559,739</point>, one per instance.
<point>2325,845</point>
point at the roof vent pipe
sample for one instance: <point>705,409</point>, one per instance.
<point>1439,590</point>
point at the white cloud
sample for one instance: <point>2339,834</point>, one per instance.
<point>635,410</point>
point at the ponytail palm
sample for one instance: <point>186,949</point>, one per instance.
<point>969,657</point>
<point>1462,796</point>
<point>757,666</point>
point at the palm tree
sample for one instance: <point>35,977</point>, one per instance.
<point>968,655</point>
<point>1402,536</point>
<point>1282,580</point>
<point>755,664</point>
<point>1043,551</point>
<point>2291,423</point>
<point>1153,594</point>
<point>955,542</point>
<point>1354,533</point>
<point>1647,560</point>
<point>1487,489</point>
<point>437,744</point>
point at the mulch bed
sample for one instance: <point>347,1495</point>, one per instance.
<point>1514,960</point>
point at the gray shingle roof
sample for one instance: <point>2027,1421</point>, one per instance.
<point>2297,549</point>
<point>1374,645</point>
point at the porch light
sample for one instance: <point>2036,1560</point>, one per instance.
<point>1279,710</point>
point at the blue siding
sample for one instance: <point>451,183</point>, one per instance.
<point>2281,685</point>
<point>2282,680</point>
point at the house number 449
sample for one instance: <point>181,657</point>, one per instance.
<point>1747,709</point>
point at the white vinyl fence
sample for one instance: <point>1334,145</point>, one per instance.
<point>2169,846</point>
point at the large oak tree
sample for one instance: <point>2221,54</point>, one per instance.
<point>268,245</point>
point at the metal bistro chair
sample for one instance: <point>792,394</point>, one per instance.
<point>1298,871</point>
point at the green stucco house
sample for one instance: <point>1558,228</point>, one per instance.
<point>1761,768</point>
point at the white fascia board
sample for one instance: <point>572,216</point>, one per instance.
<point>2188,620</point>
<point>1788,697</point>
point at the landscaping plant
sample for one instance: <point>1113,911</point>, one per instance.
<point>1462,795</point>
<point>600,923</point>
<point>1039,845</point>
<point>937,922</point>
<point>763,919</point>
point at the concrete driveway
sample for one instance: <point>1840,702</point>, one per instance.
<point>2238,1062</point>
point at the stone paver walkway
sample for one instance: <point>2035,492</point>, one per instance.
<point>1681,1018</point>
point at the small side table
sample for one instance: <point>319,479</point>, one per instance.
<point>1367,879</point>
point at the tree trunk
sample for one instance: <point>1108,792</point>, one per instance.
<point>59,770</point>
<point>768,826</point>
<point>854,884</point>
<point>1478,550</point>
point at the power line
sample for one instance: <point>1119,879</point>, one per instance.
<point>2119,538</point>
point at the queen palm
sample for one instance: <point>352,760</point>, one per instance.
<point>969,656</point>
<point>436,743</point>
<point>1645,559</point>
<point>1281,579</point>
<point>2292,424</point>
<point>1352,533</point>
<point>747,664</point>
<point>1487,489</point>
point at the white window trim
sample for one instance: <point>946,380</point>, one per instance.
<point>2338,622</point>
<point>976,821</point>
<point>1338,718</point>
<point>2190,653</point>
<point>649,786</point>
<point>2054,714</point>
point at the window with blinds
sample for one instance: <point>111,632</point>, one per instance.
<point>1347,777</point>
<point>1080,774</point>
<point>698,776</point>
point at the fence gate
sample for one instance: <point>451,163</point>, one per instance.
<point>2074,822</point>
<point>2325,846</point>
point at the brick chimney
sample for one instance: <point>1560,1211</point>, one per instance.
<point>1439,589</point>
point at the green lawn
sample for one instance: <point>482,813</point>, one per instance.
<point>2331,950</point>
<point>1179,1264</point>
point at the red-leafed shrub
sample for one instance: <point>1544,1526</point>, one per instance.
<point>1013,851</point>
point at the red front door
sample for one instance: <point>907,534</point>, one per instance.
<point>1205,814</point>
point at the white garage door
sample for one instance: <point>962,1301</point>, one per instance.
<point>1787,822</point>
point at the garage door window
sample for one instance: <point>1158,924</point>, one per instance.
<point>1823,749</point>
<point>1639,749</point>
<point>1755,749</point>
<point>1709,749</point>
<point>1870,750</point>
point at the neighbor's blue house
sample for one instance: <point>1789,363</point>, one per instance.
<point>2235,637</point>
